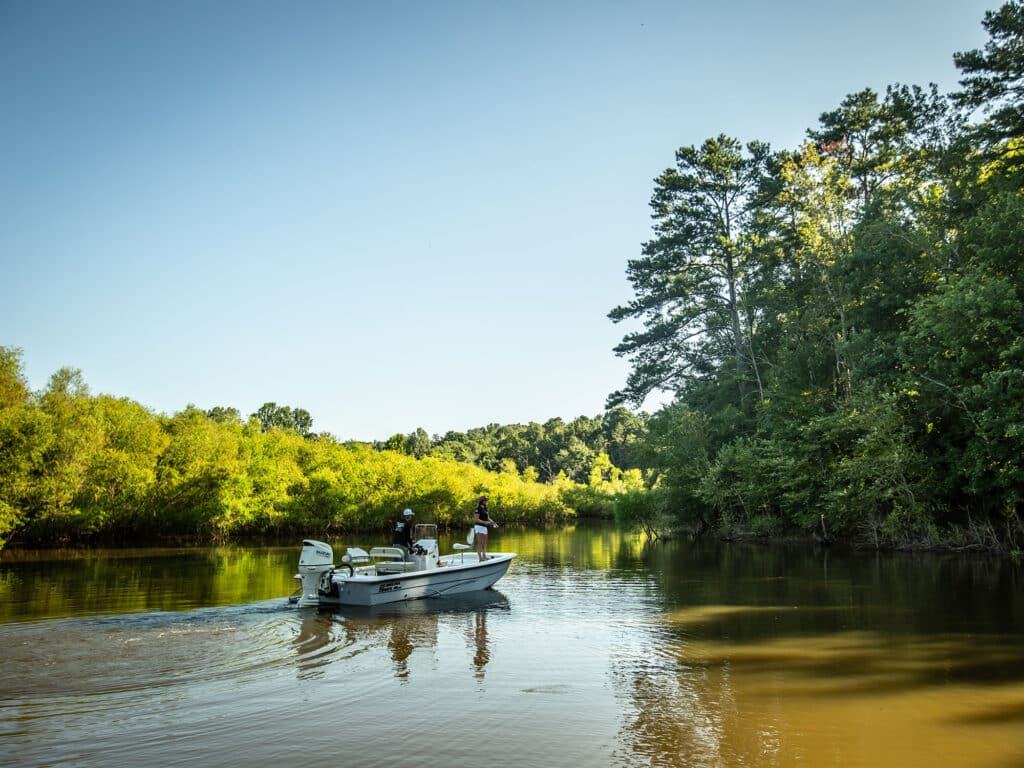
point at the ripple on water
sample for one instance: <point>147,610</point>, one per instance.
<point>111,659</point>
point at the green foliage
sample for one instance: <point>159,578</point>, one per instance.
<point>13,386</point>
<point>964,350</point>
<point>25,439</point>
<point>545,450</point>
<point>75,467</point>
<point>677,453</point>
<point>878,272</point>
<point>272,415</point>
<point>122,471</point>
<point>645,511</point>
<point>746,483</point>
<point>225,415</point>
<point>875,470</point>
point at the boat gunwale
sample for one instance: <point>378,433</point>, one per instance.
<point>366,578</point>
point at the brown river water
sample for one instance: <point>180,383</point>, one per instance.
<point>596,649</point>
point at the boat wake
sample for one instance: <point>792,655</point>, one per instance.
<point>149,652</point>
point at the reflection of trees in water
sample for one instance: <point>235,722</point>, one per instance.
<point>676,718</point>
<point>771,656</point>
<point>919,592</point>
<point>704,693</point>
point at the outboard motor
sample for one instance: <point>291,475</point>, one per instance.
<point>316,564</point>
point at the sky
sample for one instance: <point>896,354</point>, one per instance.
<point>395,215</point>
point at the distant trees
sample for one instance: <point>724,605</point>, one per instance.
<point>547,451</point>
<point>271,415</point>
<point>225,415</point>
<point>75,467</point>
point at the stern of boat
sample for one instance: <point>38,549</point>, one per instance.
<point>316,566</point>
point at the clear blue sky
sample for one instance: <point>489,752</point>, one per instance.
<point>392,214</point>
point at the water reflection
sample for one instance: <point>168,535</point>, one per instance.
<point>482,653</point>
<point>401,628</point>
<point>856,699</point>
<point>59,583</point>
<point>775,657</point>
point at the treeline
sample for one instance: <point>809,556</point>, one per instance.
<point>543,452</point>
<point>75,468</point>
<point>843,323</point>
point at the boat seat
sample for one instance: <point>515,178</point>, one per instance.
<point>355,555</point>
<point>387,553</point>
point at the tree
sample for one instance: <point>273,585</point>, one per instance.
<point>417,444</point>
<point>302,422</point>
<point>25,438</point>
<point>13,385</point>
<point>816,203</point>
<point>77,437</point>
<point>994,78</point>
<point>271,415</point>
<point>690,282</point>
<point>122,472</point>
<point>395,443</point>
<point>623,430</point>
<point>963,352</point>
<point>676,453</point>
<point>224,415</point>
<point>877,141</point>
<point>196,472</point>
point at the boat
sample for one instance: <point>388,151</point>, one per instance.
<point>390,574</point>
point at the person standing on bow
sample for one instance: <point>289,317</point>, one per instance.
<point>403,532</point>
<point>481,523</point>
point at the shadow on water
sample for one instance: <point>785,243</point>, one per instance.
<point>875,698</point>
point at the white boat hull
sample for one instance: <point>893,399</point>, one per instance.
<point>453,578</point>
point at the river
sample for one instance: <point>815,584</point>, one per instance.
<point>596,649</point>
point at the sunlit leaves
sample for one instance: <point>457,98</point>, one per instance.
<point>74,467</point>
